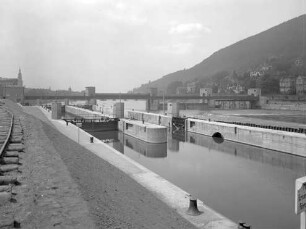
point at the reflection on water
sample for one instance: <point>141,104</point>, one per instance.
<point>240,181</point>
<point>262,155</point>
<point>156,150</point>
<point>218,140</point>
<point>118,141</point>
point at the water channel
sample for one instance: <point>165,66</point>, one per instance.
<point>240,181</point>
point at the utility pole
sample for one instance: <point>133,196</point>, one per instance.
<point>164,102</point>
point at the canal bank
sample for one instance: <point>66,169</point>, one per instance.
<point>170,194</point>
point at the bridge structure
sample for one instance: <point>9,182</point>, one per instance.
<point>152,101</point>
<point>138,96</point>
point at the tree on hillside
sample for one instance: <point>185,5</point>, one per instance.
<point>171,89</point>
<point>268,85</point>
<point>282,65</point>
<point>249,83</point>
<point>297,70</point>
<point>219,76</point>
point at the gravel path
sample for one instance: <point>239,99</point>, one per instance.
<point>66,186</point>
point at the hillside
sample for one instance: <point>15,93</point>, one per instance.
<point>282,43</point>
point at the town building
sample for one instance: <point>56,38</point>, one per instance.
<point>12,88</point>
<point>14,93</point>
<point>229,103</point>
<point>235,88</point>
<point>301,85</point>
<point>191,87</point>
<point>287,85</point>
<point>6,82</point>
<point>90,91</point>
<point>153,91</point>
<point>298,62</point>
<point>181,90</point>
<point>256,74</point>
<point>254,91</point>
<point>206,92</point>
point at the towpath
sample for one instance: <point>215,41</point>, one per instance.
<point>63,185</point>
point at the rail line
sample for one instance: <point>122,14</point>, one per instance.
<point>8,129</point>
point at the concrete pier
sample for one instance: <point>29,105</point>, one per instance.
<point>157,119</point>
<point>144,131</point>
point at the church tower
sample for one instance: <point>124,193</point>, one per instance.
<point>20,83</point>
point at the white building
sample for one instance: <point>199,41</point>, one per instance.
<point>205,91</point>
<point>254,91</point>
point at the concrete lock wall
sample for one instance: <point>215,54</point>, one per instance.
<point>284,106</point>
<point>83,113</point>
<point>146,132</point>
<point>118,110</point>
<point>157,119</point>
<point>174,109</point>
<point>92,101</point>
<point>288,142</point>
<point>56,109</point>
<point>66,102</point>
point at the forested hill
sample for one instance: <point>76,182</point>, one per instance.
<point>283,44</point>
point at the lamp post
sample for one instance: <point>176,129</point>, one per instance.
<point>78,126</point>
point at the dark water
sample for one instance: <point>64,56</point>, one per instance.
<point>239,181</point>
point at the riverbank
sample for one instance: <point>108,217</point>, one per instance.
<point>66,186</point>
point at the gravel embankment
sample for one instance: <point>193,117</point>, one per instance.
<point>67,186</point>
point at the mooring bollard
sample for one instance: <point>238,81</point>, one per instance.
<point>91,139</point>
<point>240,225</point>
<point>193,207</point>
<point>243,225</point>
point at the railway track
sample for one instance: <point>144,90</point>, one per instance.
<point>11,145</point>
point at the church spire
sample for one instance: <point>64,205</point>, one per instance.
<point>20,83</point>
<point>19,74</point>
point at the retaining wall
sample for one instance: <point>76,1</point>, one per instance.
<point>288,142</point>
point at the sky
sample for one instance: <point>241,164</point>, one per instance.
<point>117,45</point>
